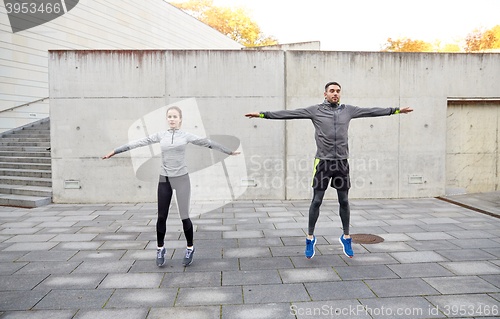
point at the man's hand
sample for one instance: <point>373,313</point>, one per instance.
<point>250,115</point>
<point>406,110</point>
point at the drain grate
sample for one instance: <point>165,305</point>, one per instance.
<point>366,239</point>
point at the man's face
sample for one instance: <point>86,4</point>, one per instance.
<point>332,93</point>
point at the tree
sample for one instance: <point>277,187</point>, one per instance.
<point>235,23</point>
<point>482,39</point>
<point>406,45</point>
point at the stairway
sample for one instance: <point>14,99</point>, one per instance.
<point>25,166</point>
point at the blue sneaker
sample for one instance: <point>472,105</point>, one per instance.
<point>346,246</point>
<point>310,243</point>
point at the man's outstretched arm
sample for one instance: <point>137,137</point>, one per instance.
<point>304,113</point>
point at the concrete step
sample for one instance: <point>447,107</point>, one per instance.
<point>27,181</point>
<point>32,131</point>
<point>26,173</point>
<point>35,160</point>
<point>25,167</point>
<point>38,191</point>
<point>45,145</point>
<point>28,166</point>
<point>24,139</point>
<point>25,154</point>
<point>4,148</point>
<point>23,201</point>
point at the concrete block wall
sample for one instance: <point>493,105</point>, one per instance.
<point>95,105</point>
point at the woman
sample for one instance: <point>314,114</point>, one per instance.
<point>173,176</point>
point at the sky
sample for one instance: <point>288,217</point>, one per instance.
<point>365,25</point>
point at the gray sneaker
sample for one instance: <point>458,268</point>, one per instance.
<point>188,258</point>
<point>160,256</point>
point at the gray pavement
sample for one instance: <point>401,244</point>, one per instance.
<point>438,260</point>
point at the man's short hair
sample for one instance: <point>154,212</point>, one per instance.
<point>331,83</point>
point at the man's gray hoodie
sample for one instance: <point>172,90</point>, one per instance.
<point>331,122</point>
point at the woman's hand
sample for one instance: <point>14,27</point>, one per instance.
<point>109,155</point>
<point>235,153</point>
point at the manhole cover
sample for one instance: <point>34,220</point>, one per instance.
<point>366,239</point>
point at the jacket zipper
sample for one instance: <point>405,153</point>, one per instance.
<point>173,132</point>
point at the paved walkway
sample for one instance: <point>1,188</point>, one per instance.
<point>438,260</point>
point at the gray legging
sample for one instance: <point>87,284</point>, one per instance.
<point>344,210</point>
<point>182,187</point>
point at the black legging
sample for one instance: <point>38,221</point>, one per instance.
<point>164,198</point>
<point>344,210</point>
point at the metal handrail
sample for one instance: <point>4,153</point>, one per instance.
<point>15,107</point>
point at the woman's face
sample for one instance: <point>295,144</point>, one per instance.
<point>174,119</point>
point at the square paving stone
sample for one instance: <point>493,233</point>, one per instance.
<point>400,287</point>
<point>30,246</point>
<point>78,245</point>
<point>283,233</point>
<point>247,252</point>
<point>19,300</point>
<point>48,256</point>
<point>365,272</point>
<point>317,261</point>
<point>250,277</point>
<point>40,314</point>
<point>470,305</point>
<point>261,311</point>
<point>275,293</point>
<point>265,263</point>
<point>16,282</point>
<point>338,290</point>
<point>136,244</point>
<point>369,259</point>
<point>75,299</point>
<point>481,243</point>
<point>418,257</point>
<point>11,256</point>
<point>212,265</point>
<point>345,309</point>
<point>471,267</point>
<point>30,238</point>
<point>117,281</point>
<point>104,266</point>
<point>260,242</point>
<point>388,247</point>
<point>114,255</point>
<point>130,313</point>
<point>142,298</point>
<point>461,285</point>
<point>209,296</point>
<point>192,279</point>
<point>465,254</point>
<point>206,312</point>
<point>432,245</point>
<point>243,234</point>
<point>149,266</point>
<point>420,270</point>
<point>90,281</point>
<point>309,275</point>
<point>48,267</point>
<point>289,251</point>
<point>400,307</point>
<point>493,279</point>
<point>9,268</point>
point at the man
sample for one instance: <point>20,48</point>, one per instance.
<point>331,123</point>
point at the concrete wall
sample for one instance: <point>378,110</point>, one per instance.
<point>98,97</point>
<point>92,24</point>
